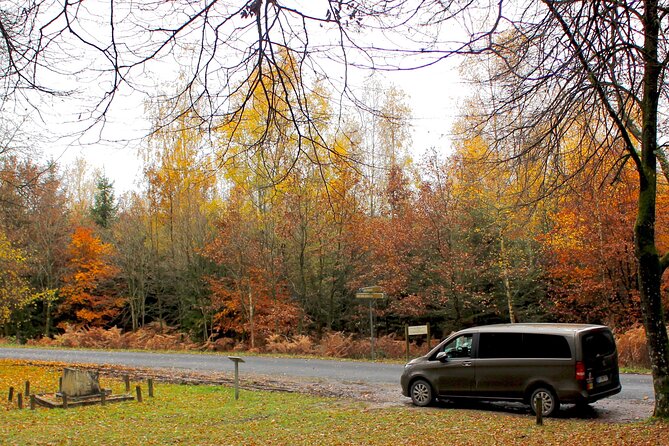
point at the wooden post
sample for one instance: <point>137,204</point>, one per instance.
<point>19,400</point>
<point>539,409</point>
<point>406,336</point>
<point>27,392</point>
<point>103,398</point>
<point>236,360</point>
<point>10,397</point>
<point>138,389</point>
<point>64,396</point>
<point>126,379</point>
<point>32,402</point>
<point>150,387</point>
<point>60,384</point>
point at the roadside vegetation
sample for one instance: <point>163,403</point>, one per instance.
<point>189,414</point>
<point>632,346</point>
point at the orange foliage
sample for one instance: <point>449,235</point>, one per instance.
<point>633,348</point>
<point>590,256</point>
<point>89,298</point>
<point>149,337</point>
<point>249,297</point>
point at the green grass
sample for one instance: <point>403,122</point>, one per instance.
<point>209,415</point>
<point>637,370</point>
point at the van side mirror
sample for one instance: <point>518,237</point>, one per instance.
<point>441,356</point>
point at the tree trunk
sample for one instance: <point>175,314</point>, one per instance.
<point>505,280</point>
<point>650,267</point>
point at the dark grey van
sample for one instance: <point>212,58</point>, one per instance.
<point>560,363</point>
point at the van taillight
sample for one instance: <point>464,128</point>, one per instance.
<point>580,371</point>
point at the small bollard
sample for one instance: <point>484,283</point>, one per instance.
<point>236,360</point>
<point>32,402</point>
<point>103,398</point>
<point>126,379</point>
<point>60,384</point>
<point>138,389</point>
<point>64,396</point>
<point>27,392</point>
<point>150,387</point>
<point>19,400</point>
<point>539,409</point>
<point>10,397</point>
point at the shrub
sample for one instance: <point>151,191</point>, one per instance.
<point>149,337</point>
<point>299,345</point>
<point>633,349</point>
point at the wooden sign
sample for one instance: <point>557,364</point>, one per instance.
<point>418,330</point>
<point>370,292</point>
<point>370,295</point>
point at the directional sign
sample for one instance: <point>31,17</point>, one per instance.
<point>370,292</point>
<point>370,295</point>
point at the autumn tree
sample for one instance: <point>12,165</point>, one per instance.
<point>250,297</point>
<point>15,291</point>
<point>33,217</point>
<point>90,296</point>
<point>181,186</point>
<point>133,257</point>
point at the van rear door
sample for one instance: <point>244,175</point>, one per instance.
<point>600,360</point>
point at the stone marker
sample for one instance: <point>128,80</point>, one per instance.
<point>80,383</point>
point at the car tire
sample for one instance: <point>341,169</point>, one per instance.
<point>421,393</point>
<point>549,401</point>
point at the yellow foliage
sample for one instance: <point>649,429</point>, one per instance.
<point>15,291</point>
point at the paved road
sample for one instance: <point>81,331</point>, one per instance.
<point>276,367</point>
<point>635,387</point>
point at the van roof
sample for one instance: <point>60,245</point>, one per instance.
<point>534,328</point>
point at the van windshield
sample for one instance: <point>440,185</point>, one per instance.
<point>598,344</point>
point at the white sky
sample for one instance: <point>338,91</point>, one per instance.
<point>433,95</point>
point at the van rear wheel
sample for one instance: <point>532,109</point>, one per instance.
<point>549,402</point>
<point>421,393</point>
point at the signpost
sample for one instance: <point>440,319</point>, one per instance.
<point>371,293</point>
<point>417,330</point>
<point>236,360</point>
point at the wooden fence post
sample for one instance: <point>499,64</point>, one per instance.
<point>139,394</point>
<point>150,387</point>
<point>32,402</point>
<point>10,397</point>
<point>539,409</point>
<point>126,379</point>
<point>19,400</point>
<point>27,392</point>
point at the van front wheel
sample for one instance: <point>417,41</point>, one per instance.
<point>549,402</point>
<point>421,393</point>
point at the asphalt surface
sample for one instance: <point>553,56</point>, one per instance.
<point>275,367</point>
<point>635,387</point>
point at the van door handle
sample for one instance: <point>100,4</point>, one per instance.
<point>467,364</point>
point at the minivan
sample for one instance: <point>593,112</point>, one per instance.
<point>557,363</point>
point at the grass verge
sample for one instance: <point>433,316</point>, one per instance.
<point>209,415</point>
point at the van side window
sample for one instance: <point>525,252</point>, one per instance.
<point>545,346</point>
<point>523,345</point>
<point>500,345</point>
<point>460,347</point>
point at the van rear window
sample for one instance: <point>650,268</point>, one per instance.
<point>523,345</point>
<point>598,344</point>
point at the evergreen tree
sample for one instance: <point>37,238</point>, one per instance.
<point>103,211</point>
